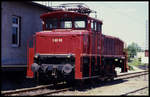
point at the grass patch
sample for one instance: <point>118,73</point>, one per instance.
<point>134,62</point>
<point>130,67</point>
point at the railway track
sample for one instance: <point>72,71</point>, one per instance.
<point>137,90</point>
<point>51,92</point>
<point>24,90</point>
<point>131,75</point>
<point>20,91</point>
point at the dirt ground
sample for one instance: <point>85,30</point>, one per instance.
<point>116,87</point>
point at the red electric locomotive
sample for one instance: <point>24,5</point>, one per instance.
<point>72,47</point>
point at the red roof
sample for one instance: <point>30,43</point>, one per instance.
<point>61,13</point>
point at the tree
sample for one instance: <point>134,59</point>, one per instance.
<point>133,48</point>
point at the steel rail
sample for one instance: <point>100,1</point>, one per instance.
<point>26,89</point>
<point>51,92</point>
<point>125,94</point>
<point>131,75</point>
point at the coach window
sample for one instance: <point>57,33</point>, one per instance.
<point>15,31</point>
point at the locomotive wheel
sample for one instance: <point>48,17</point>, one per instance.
<point>112,79</point>
<point>41,78</point>
<point>80,84</point>
<point>71,82</point>
<point>109,79</point>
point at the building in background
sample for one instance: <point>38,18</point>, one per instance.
<point>143,56</point>
<point>19,21</point>
<point>146,53</point>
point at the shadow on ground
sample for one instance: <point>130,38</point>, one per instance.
<point>18,80</point>
<point>15,80</point>
<point>88,85</point>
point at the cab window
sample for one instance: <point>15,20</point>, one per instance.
<point>79,23</point>
<point>92,25</point>
<point>95,26</point>
<point>51,24</point>
<point>66,23</point>
<point>99,27</point>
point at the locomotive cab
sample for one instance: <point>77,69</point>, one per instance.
<point>64,20</point>
<point>58,48</point>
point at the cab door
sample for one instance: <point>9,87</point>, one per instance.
<point>95,47</point>
<point>93,39</point>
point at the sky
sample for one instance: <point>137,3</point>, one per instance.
<point>126,20</point>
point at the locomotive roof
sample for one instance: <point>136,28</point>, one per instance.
<point>58,13</point>
<point>70,14</point>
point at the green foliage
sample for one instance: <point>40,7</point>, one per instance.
<point>130,67</point>
<point>132,50</point>
<point>135,62</point>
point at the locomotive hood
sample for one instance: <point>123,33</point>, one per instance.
<point>59,41</point>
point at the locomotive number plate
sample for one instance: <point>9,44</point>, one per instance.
<point>57,39</point>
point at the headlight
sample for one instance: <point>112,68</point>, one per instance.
<point>36,55</point>
<point>67,68</point>
<point>68,56</point>
<point>35,67</point>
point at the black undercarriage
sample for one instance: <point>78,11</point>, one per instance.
<point>55,68</point>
